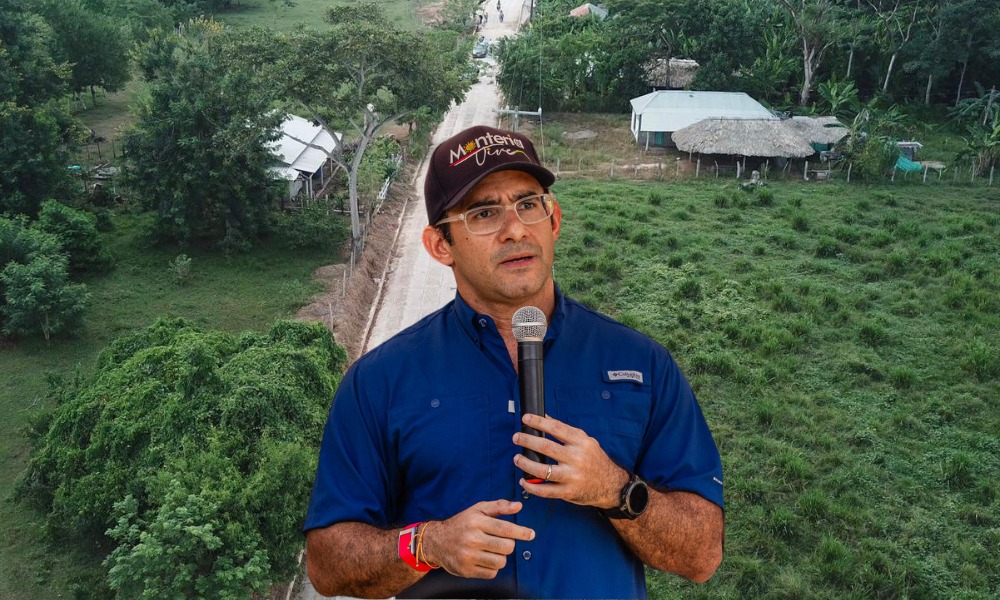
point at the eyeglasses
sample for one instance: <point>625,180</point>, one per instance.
<point>483,220</point>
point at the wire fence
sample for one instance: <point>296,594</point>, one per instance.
<point>670,168</point>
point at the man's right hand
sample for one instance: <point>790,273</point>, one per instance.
<point>474,543</point>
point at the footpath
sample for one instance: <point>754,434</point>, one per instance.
<point>416,285</point>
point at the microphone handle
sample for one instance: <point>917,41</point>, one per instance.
<point>531,385</point>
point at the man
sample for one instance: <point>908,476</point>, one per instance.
<point>421,489</point>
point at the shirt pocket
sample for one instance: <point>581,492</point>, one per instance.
<point>616,418</point>
<point>442,452</point>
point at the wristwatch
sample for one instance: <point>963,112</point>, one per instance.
<point>635,499</point>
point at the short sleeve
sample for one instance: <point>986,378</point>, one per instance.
<point>678,450</point>
<point>353,475</point>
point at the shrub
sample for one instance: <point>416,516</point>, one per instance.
<point>38,298</point>
<point>180,269</point>
<point>313,227</point>
<point>192,451</point>
<point>765,197</point>
<point>77,233</point>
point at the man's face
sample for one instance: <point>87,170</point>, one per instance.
<point>512,266</point>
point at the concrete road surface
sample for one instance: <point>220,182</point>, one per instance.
<point>417,285</point>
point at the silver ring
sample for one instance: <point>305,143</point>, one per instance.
<point>548,473</point>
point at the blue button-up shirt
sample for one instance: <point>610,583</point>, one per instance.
<point>421,428</point>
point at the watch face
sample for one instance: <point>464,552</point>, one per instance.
<point>638,498</point>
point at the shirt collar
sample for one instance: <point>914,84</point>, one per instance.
<point>475,324</point>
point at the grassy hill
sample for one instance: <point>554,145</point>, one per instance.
<point>844,342</point>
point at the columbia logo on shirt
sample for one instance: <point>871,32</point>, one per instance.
<point>635,376</point>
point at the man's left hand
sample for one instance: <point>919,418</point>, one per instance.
<point>582,473</point>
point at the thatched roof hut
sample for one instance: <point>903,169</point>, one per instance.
<point>765,138</point>
<point>820,130</point>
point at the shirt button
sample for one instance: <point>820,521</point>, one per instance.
<point>605,394</point>
<point>435,403</point>
<point>482,322</point>
<point>526,555</point>
<point>525,494</point>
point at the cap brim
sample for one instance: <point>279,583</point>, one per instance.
<point>543,175</point>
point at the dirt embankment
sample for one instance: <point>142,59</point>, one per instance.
<point>345,303</point>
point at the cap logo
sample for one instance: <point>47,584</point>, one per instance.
<point>485,146</point>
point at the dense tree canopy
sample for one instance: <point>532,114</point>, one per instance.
<point>778,50</point>
<point>199,154</point>
<point>36,130</point>
<point>91,42</point>
<point>193,451</point>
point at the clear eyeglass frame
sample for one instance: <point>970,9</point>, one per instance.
<point>487,219</point>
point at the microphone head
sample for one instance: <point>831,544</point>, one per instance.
<point>529,324</point>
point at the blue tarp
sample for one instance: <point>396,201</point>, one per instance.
<point>906,165</point>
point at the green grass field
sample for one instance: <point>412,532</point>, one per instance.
<point>844,342</point>
<point>233,294</point>
<point>308,14</point>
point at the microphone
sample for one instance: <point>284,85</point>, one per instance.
<point>529,330</point>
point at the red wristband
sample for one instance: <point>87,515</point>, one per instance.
<point>408,549</point>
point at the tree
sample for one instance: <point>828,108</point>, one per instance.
<point>562,63</point>
<point>34,152</point>
<point>77,234</point>
<point>896,22</point>
<point>365,73</point>
<point>36,130</point>
<point>459,15</point>
<point>91,42</point>
<point>974,26</point>
<point>704,30</point>
<point>199,154</point>
<point>191,452</point>
<point>38,297</point>
<point>817,25</point>
<point>29,72</point>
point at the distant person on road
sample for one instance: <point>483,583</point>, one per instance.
<point>422,490</point>
<point>500,13</point>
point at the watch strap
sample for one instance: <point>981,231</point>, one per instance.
<point>624,510</point>
<point>409,540</point>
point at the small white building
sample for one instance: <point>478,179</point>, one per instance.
<point>303,155</point>
<point>658,114</point>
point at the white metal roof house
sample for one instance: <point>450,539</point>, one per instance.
<point>303,154</point>
<point>658,114</point>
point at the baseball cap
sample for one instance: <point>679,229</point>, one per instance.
<point>463,160</point>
